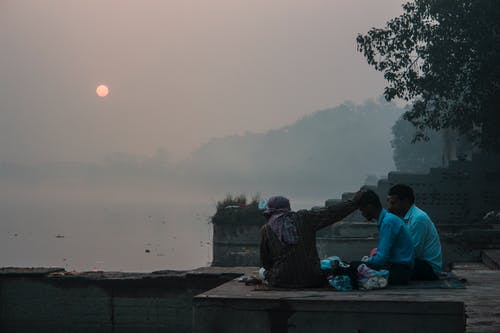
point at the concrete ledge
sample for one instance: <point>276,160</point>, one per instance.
<point>53,300</point>
<point>234,307</point>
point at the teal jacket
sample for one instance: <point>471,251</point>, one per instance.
<point>395,245</point>
<point>425,237</point>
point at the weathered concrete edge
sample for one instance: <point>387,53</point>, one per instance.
<point>339,306</point>
<point>104,301</point>
<point>61,273</point>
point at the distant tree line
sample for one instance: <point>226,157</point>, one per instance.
<point>323,154</point>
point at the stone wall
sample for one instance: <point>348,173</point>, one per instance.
<point>237,236</point>
<point>52,300</point>
<point>461,194</point>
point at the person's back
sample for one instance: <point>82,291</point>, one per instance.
<point>394,242</point>
<point>291,265</point>
<point>424,235</point>
<point>425,238</point>
<point>288,245</point>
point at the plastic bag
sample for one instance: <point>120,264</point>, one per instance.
<point>369,278</point>
<point>341,283</point>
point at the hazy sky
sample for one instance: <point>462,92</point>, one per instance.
<point>180,71</point>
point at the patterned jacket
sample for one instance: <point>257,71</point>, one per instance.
<point>298,265</point>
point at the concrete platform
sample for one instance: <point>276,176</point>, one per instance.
<point>234,307</point>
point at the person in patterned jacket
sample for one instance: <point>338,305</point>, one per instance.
<point>288,241</point>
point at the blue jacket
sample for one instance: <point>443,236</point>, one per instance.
<point>395,245</point>
<point>425,237</point>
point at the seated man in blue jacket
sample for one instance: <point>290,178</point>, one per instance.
<point>428,257</point>
<point>395,250</point>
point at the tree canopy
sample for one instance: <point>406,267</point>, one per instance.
<point>443,57</point>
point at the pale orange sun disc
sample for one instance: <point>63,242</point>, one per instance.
<point>102,90</point>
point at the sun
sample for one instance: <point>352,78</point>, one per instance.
<point>102,90</point>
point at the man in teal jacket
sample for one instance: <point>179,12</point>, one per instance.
<point>425,238</point>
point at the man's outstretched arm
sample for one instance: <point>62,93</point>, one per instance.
<point>321,218</point>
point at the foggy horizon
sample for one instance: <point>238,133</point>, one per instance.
<point>180,73</point>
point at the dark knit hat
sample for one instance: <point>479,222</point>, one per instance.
<point>277,204</point>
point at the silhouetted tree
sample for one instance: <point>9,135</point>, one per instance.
<point>443,56</point>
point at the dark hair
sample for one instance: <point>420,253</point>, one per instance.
<point>404,192</point>
<point>369,197</point>
<point>277,204</point>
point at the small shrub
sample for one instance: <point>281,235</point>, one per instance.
<point>237,201</point>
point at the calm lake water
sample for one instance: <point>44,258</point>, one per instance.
<point>111,236</point>
<point>105,231</point>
